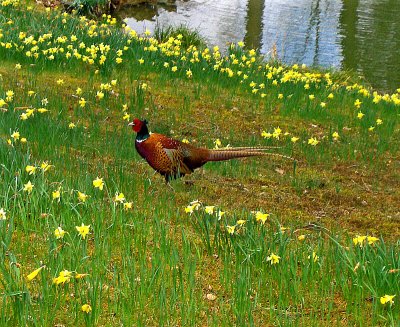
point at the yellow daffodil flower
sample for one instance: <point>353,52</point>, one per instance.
<point>230,229</point>
<point>273,259</point>
<point>209,209</point>
<point>31,170</point>
<point>119,198</point>
<point>34,273</point>
<point>28,187</point>
<point>3,215</point>
<point>59,233</point>
<point>86,308</point>
<point>83,230</point>
<point>387,299</point>
<point>98,183</point>
<point>262,216</point>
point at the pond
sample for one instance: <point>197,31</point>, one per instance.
<point>359,35</point>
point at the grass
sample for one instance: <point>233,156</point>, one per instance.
<point>168,260</point>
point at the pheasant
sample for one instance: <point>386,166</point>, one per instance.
<point>173,159</point>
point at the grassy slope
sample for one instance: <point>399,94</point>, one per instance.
<point>153,265</point>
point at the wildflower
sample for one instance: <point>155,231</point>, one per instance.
<point>357,103</point>
<point>301,237</point>
<point>42,110</point>
<point>56,195</point>
<point>141,61</point>
<point>372,239</point>
<point>262,216</point>
<point>241,222</point>
<point>28,187</point>
<point>313,141</point>
<point>45,102</point>
<point>335,136</point>
<point>86,308</point>
<point>220,214</point>
<point>82,197</point>
<point>63,277</point>
<point>189,209</point>
<point>31,170</point>
<point>99,95</point>
<point>15,135</point>
<point>23,140</point>
<point>371,128</point>
<point>82,102</point>
<point>114,82</point>
<point>379,121</point>
<point>311,96</point>
<point>78,91</point>
<point>196,204</point>
<point>360,115</point>
<point>185,141</point>
<point>71,125</point>
<point>315,257</point>
<point>18,66</point>
<point>294,139</point>
<point>209,209</point>
<point>189,73</point>
<point>98,183</point>
<point>387,299</point>
<point>230,229</point>
<point>83,230</point>
<point>45,166</point>
<point>118,60</point>
<point>34,273</point>
<point>80,276</point>
<point>60,82</point>
<point>273,258</point>
<point>128,205</point>
<point>174,69</point>
<point>126,116</point>
<point>323,104</point>
<point>217,143</point>
<point>280,96</point>
<point>23,116</point>
<point>359,240</point>
<point>330,96</point>
<point>3,215</point>
<point>119,198</point>
<point>276,133</point>
<point>59,233</point>
<point>266,135</point>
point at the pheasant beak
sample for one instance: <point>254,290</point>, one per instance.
<point>131,124</point>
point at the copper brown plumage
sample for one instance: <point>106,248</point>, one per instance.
<point>173,159</point>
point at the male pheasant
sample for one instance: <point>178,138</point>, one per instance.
<point>172,158</point>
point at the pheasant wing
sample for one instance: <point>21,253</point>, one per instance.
<point>177,162</point>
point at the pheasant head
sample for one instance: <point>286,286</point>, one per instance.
<point>140,127</point>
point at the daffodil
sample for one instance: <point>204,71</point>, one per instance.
<point>80,276</point>
<point>28,187</point>
<point>82,197</point>
<point>209,209</point>
<point>315,257</point>
<point>379,121</point>
<point>15,135</point>
<point>360,115</point>
<point>311,97</point>
<point>240,222</point>
<point>335,136</point>
<point>128,205</point>
<point>119,198</point>
<point>372,239</point>
<point>301,237</point>
<point>83,230</point>
<point>262,216</point>
<point>266,135</point>
<point>63,277</point>
<point>387,299</point>
<point>359,240</point>
<point>31,170</point>
<point>56,195</point>
<point>273,258</point>
<point>357,103</point>
<point>231,229</point>
<point>276,133</point>
<point>294,139</point>
<point>313,141</point>
<point>45,166</point>
<point>33,274</point>
<point>82,102</point>
<point>71,125</point>
<point>3,215</point>
<point>220,214</point>
<point>98,183</point>
<point>189,209</point>
<point>59,233</point>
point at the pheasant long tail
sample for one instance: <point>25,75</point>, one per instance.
<point>232,153</point>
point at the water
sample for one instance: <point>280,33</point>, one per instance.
<point>360,35</point>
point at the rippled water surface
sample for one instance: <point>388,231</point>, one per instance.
<point>361,35</point>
